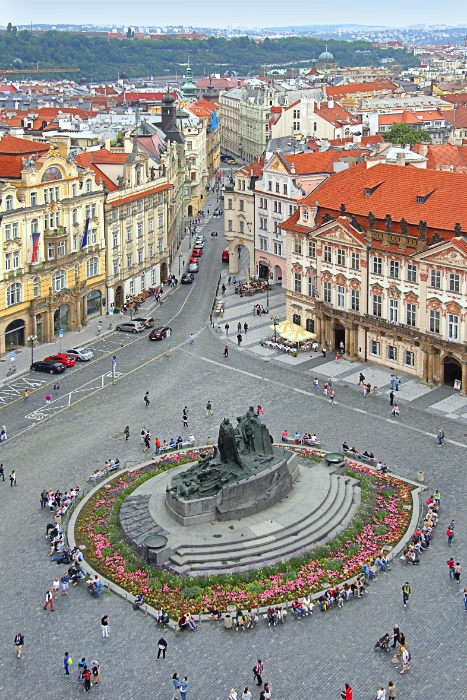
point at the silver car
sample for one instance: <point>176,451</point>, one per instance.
<point>81,354</point>
<point>131,327</point>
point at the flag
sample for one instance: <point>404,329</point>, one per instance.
<point>85,236</point>
<point>35,247</point>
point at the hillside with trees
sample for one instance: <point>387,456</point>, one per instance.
<point>104,58</point>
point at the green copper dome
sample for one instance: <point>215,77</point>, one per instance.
<point>188,87</point>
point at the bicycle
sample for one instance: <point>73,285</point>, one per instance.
<point>11,371</point>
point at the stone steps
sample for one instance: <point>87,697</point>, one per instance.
<point>136,521</point>
<point>334,513</point>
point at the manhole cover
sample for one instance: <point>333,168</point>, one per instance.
<point>217,535</point>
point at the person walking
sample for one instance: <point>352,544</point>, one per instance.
<point>391,398</point>
<point>323,353</point>
<point>192,339</point>
<point>105,626</point>
<point>239,327</point>
<point>316,384</point>
<point>67,661</point>
<point>147,441</point>
<point>391,691</point>
<point>361,379</point>
<point>347,693</point>
<point>162,647</point>
<point>81,666</point>
<point>405,661</point>
<point>49,603</point>
<point>12,478</point>
<point>381,694</point>
<point>65,580</point>
<point>395,636</point>
<point>457,572</point>
<point>450,534</point>
<point>3,434</point>
<point>464,593</point>
<point>99,328</point>
<point>208,409</point>
<point>147,400</point>
<point>258,670</point>
<point>18,644</point>
<point>226,351</point>
<point>126,433</point>
<point>332,396</point>
<point>393,382</point>
<point>48,399</point>
<point>395,411</point>
<point>246,695</point>
<point>2,472</point>
<point>26,395</point>
<point>226,328</point>
<point>95,670</point>
<point>406,593</point>
<point>245,327</point>
<point>397,381</point>
<point>56,388</point>
<point>176,684</point>
<point>87,679</point>
<point>184,687</point>
<point>239,339</point>
<point>185,417</point>
<point>223,289</point>
<point>451,566</point>
<point>56,587</point>
<point>440,436</point>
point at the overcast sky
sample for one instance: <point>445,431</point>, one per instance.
<point>245,13</point>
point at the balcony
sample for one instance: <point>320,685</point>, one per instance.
<point>56,232</point>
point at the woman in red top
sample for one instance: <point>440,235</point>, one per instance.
<point>347,693</point>
<point>87,679</point>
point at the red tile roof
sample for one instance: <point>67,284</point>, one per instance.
<point>408,117</point>
<point>316,162</point>
<point>225,83</point>
<point>202,108</point>
<point>364,141</point>
<point>456,99</point>
<point>444,155</point>
<point>16,146</point>
<point>458,117</point>
<point>131,198</point>
<point>338,92</point>
<point>337,115</point>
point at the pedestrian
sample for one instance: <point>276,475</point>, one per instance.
<point>323,352</point>
<point>361,379</point>
<point>229,280</point>
<point>365,391</point>
<point>342,347</point>
<point>65,580</point>
<point>12,478</point>
<point>184,687</point>
<point>226,351</point>
<point>18,644</point>
<point>81,666</point>
<point>48,399</point>
<point>338,356</point>
<point>3,434</point>
<point>405,661</point>
<point>226,328</point>
<point>185,417</point>
<point>457,572</point>
<point>258,672</point>
<point>48,600</point>
<point>223,289</point>
<point>239,327</point>
<point>56,388</point>
<point>233,694</point>
<point>245,327</point>
<point>161,647</point>
<point>87,679</point>
<point>440,437</point>
<point>451,567</point>
<point>158,446</point>
<point>437,497</point>
<point>316,384</point>
<point>347,694</point>
<point>2,472</point>
<point>147,441</point>
<point>464,593</point>
<point>331,396</point>
<point>406,593</point>
<point>393,382</point>
<point>260,412</point>
<point>96,669</point>
<point>26,395</point>
<point>176,684</point>
<point>395,636</point>
<point>105,626</point>
<point>126,433</point>
<point>239,339</point>
<point>391,691</point>
<point>246,695</point>
<point>67,661</point>
<point>395,411</point>
<point>391,398</point>
<point>325,388</point>
<point>209,409</point>
<point>381,694</point>
<point>147,400</point>
<point>99,328</point>
<point>56,587</point>
<point>397,381</point>
<point>192,339</point>
<point>449,535</point>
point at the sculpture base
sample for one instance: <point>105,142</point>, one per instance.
<point>240,499</point>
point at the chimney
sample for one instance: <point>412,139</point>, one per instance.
<point>400,159</point>
<point>423,151</point>
<point>292,169</point>
<point>331,104</point>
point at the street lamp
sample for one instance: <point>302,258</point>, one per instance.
<point>31,339</point>
<point>275,320</point>
<point>179,258</point>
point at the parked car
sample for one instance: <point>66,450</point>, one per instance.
<point>193,266</point>
<point>200,237</point>
<point>225,255</point>
<point>197,252</point>
<point>131,327</point>
<point>160,332</point>
<point>187,278</point>
<point>50,367</point>
<point>147,322</point>
<point>68,360</point>
<point>199,243</point>
<point>231,161</point>
<point>81,354</point>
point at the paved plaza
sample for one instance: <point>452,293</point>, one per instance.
<point>312,657</point>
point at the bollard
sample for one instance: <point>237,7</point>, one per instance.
<point>375,390</point>
<point>209,440</point>
<point>167,353</point>
<point>421,476</point>
<point>110,326</point>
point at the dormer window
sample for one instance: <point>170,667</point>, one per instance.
<point>305,215</point>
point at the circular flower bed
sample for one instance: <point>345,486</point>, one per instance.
<point>381,520</point>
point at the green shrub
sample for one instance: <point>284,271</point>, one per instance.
<point>191,592</point>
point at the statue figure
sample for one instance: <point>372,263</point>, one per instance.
<point>342,210</point>
<point>29,164</point>
<point>371,219</point>
<point>422,229</point>
<point>457,230</point>
<point>404,227</point>
<point>226,443</point>
<point>388,222</point>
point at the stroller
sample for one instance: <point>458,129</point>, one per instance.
<point>383,643</point>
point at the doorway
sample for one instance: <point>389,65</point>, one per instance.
<point>339,336</point>
<point>452,370</point>
<point>14,334</point>
<point>61,319</point>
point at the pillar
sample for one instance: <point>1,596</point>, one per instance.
<point>430,367</point>
<point>318,329</point>
<point>233,261</point>
<point>84,311</point>
<point>464,378</point>
<point>48,326</point>
<point>424,366</point>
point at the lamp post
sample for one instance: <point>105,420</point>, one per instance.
<point>179,258</point>
<point>31,339</point>
<point>275,320</point>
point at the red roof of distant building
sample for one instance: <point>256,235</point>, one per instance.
<point>337,115</point>
<point>338,92</point>
<point>202,108</point>
<point>224,83</point>
<point>12,152</point>
<point>364,141</point>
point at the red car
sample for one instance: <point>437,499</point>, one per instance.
<point>197,252</point>
<point>67,360</point>
<point>225,255</point>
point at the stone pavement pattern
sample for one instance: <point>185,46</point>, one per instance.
<point>306,658</point>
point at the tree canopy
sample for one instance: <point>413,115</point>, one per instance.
<point>403,134</point>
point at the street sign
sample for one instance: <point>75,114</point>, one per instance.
<point>60,332</point>
<point>12,355</point>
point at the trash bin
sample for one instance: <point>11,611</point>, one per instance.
<point>228,622</point>
<point>219,329</point>
<point>209,440</point>
<point>375,390</point>
<point>110,326</point>
<point>167,353</point>
<point>421,476</point>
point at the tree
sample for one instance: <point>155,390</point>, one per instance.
<point>9,27</point>
<point>403,134</point>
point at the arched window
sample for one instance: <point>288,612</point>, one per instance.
<point>9,203</point>
<point>34,226</point>
<point>14,294</point>
<point>88,185</point>
<point>93,267</point>
<point>37,287</point>
<point>139,175</point>
<point>347,133</point>
<point>58,280</point>
<point>76,271</point>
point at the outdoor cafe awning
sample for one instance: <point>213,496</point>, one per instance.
<point>293,332</point>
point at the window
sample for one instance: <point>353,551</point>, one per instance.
<point>88,185</point>
<point>150,225</point>
<point>453,327</point>
<point>393,310</point>
<point>355,302</point>
<point>153,276</point>
<point>375,348</point>
<point>92,267</point>
<point>33,199</point>
<point>242,227</point>
<point>409,358</point>
<point>115,267</point>
<point>435,279</point>
<point>340,297</point>
<point>296,319</point>
<point>263,224</point>
<point>327,292</point>
<point>87,212</point>
<point>73,191</point>
<point>74,216</point>
<point>161,245</point>
<point>129,260</point>
<point>93,236</point>
<point>128,209</point>
<point>114,214</point>
<point>278,207</point>
<point>160,220</point>
<point>7,261</point>
<point>58,280</point>
<point>46,196</point>
<point>310,325</point>
<point>143,282</point>
<point>13,294</point>
<point>15,259</point>
<point>15,230</point>
<point>310,286</point>
<point>61,249</point>
<point>132,286</point>
<point>229,204</point>
<point>270,186</point>
<point>189,145</point>
<point>140,255</point>
<point>263,243</point>
<point>453,282</point>
<point>242,205</point>
<point>377,305</point>
<point>37,287</point>
<point>93,211</point>
<point>9,204</point>
<point>284,189</point>
<point>377,266</point>
<point>411,314</point>
<point>297,246</point>
<point>327,253</point>
<point>115,240</point>
<point>394,269</point>
<point>340,256</point>
<point>229,225</point>
<point>160,198</point>
<point>151,251</point>
<point>8,232</point>
<point>277,248</point>
<point>263,203</point>
<point>50,251</point>
<point>411,273</point>
<point>277,187</point>
<point>139,206</point>
<point>311,249</point>
<point>298,282</point>
<point>392,353</point>
<point>150,202</point>
<point>74,242</point>
<point>140,229</point>
<point>292,209</point>
<point>355,261</point>
<point>434,321</point>
<point>128,235</point>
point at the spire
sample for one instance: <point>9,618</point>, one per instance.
<point>188,87</point>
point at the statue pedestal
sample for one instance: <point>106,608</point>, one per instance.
<point>241,498</point>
